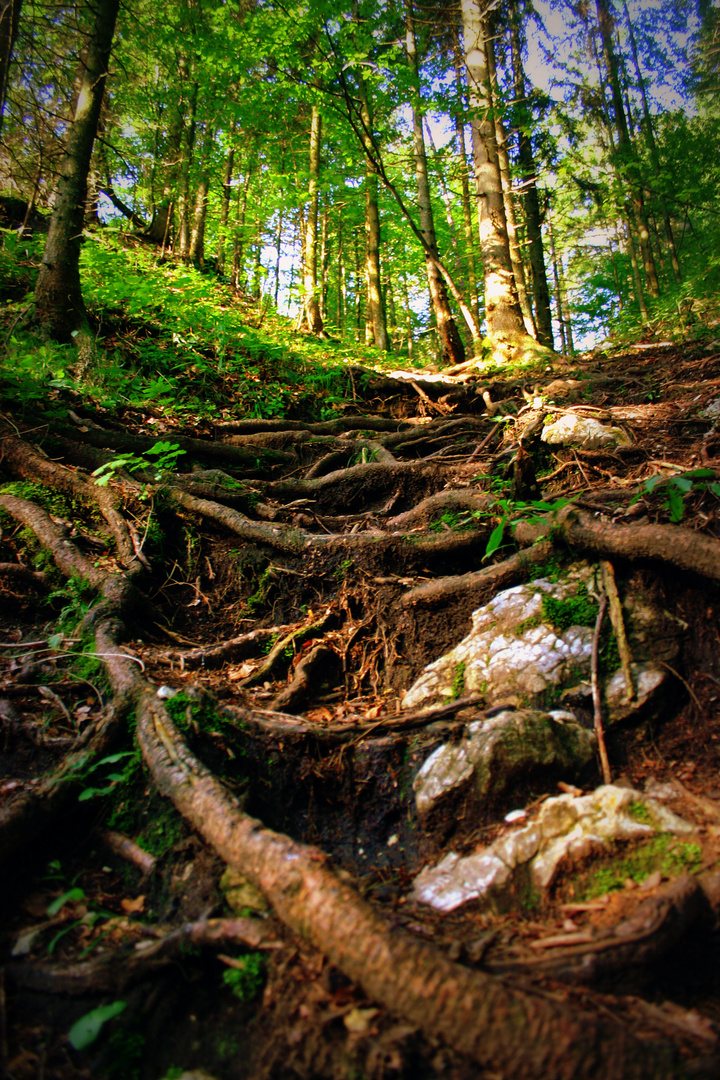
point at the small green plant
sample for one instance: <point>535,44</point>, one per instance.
<point>458,683</point>
<point>675,488</point>
<point>509,508</point>
<point>160,459</point>
<point>247,979</point>
<point>85,1031</point>
<point>110,780</point>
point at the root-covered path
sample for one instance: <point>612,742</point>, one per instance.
<point>206,640</point>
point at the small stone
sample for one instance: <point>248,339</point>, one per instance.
<point>629,884</point>
<point>651,881</point>
<point>516,815</point>
<point>166,692</point>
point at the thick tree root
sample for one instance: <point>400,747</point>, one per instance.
<point>516,1032</point>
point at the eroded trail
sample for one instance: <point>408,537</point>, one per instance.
<point>216,736</point>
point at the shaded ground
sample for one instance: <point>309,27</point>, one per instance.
<point>279,575</point>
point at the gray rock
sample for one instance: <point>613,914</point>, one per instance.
<point>566,829</point>
<point>497,751</point>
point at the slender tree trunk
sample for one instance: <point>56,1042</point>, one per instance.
<point>506,328</point>
<point>188,146</point>
<point>376,324</point>
<point>196,250</point>
<point>9,23</point>
<point>533,215</point>
<point>341,279</point>
<point>238,276</point>
<point>324,262</point>
<point>59,306</point>
<point>453,351</point>
<point>652,146</point>
<point>561,293</point>
<point>409,318</point>
<point>310,315</point>
<point>558,295</point>
<point>225,202</point>
<point>160,230</point>
<point>278,249</point>
<point>637,280</point>
<point>626,161</point>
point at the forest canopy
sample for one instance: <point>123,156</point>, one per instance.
<point>373,172</point>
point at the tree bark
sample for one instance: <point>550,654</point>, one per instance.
<point>225,202</point>
<point>508,195</point>
<point>59,305</point>
<point>507,1030</point>
<point>625,155</point>
<point>376,325</point>
<point>310,315</point>
<point>239,236</point>
<point>196,250</point>
<point>470,261</point>
<point>506,328</point>
<point>533,215</point>
<point>453,351</point>
<point>652,146</point>
<point>188,146</point>
<point>9,23</point>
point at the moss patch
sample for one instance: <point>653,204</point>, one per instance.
<point>664,853</point>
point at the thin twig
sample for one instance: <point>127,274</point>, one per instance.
<point>618,625</point>
<point>597,701</point>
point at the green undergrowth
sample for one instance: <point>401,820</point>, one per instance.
<point>666,853</point>
<point>168,335</point>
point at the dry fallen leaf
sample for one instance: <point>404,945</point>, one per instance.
<point>358,1020</point>
<point>137,904</point>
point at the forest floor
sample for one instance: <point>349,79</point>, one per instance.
<point>259,602</point>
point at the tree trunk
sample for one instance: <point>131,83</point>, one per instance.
<point>196,251</point>
<point>625,155</point>
<point>225,202</point>
<point>568,346</point>
<point>506,328</point>
<point>188,146</point>
<point>533,214</point>
<point>453,351</point>
<point>160,231</point>
<point>471,273</point>
<point>652,146</point>
<point>239,236</point>
<point>59,306</point>
<point>310,315</point>
<point>9,23</point>
<point>508,195</point>
<point>341,280</point>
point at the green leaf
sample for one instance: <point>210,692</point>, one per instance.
<point>71,894</point>
<point>652,482</point>
<point>675,505</point>
<point>682,483</point>
<point>495,538</point>
<point>85,1031</point>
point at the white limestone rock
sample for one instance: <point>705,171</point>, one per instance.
<point>512,652</point>
<point>569,429</point>
<point>567,829</point>
<point>498,751</point>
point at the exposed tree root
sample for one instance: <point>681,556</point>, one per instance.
<point>498,1026</point>
<point>350,511</point>
<point>116,970</point>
